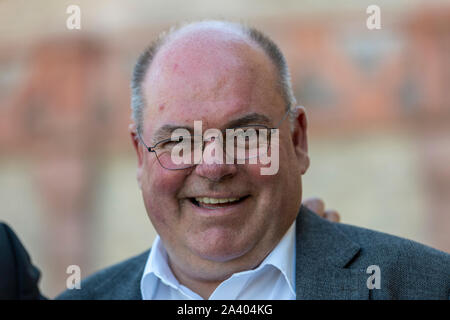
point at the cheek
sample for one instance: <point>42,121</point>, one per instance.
<point>159,190</point>
<point>280,166</point>
<point>274,189</point>
<point>254,174</point>
<point>268,188</point>
<point>159,181</point>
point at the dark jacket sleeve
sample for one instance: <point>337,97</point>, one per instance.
<point>18,277</point>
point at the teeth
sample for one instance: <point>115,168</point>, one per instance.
<point>215,200</point>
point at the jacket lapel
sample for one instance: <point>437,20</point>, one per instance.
<point>322,255</point>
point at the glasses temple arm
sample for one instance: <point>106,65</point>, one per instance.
<point>150,149</point>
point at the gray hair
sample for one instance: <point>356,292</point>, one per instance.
<point>263,41</point>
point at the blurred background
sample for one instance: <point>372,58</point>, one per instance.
<point>377,102</point>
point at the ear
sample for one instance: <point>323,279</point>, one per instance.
<point>299,138</point>
<point>139,151</point>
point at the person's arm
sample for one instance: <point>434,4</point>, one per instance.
<point>18,277</point>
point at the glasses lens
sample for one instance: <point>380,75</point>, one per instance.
<point>247,142</point>
<point>176,155</point>
<point>166,161</point>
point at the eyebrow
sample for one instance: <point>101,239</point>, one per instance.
<point>252,118</point>
<point>166,130</point>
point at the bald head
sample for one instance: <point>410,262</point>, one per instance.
<point>201,48</point>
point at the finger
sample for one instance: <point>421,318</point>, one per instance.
<point>332,215</point>
<point>316,205</point>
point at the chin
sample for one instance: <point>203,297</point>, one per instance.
<point>219,246</point>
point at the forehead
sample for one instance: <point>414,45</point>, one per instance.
<point>208,74</point>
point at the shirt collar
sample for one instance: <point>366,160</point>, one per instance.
<point>157,267</point>
<point>281,257</point>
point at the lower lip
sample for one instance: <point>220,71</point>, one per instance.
<point>218,210</point>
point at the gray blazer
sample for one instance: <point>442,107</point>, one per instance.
<point>331,263</point>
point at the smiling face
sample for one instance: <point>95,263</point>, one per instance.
<point>219,77</point>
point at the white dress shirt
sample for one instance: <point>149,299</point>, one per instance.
<point>273,279</point>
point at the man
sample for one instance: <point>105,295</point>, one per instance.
<point>226,231</point>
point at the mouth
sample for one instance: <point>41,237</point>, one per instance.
<point>217,203</point>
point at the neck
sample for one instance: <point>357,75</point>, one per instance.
<point>202,287</point>
<point>203,277</point>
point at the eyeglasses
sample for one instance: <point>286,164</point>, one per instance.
<point>242,143</point>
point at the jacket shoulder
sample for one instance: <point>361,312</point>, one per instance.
<point>409,270</point>
<point>120,281</point>
<point>19,277</point>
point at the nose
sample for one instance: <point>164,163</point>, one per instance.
<point>216,171</point>
<point>215,168</point>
